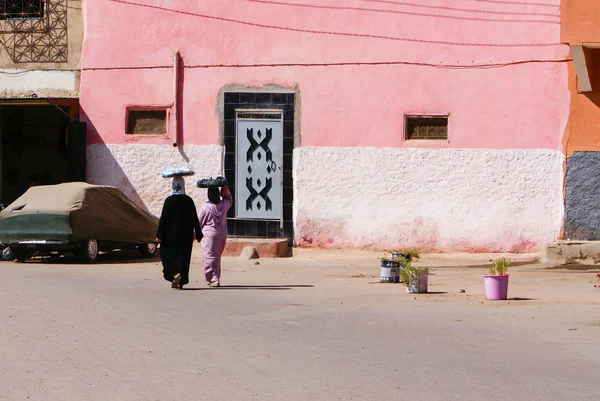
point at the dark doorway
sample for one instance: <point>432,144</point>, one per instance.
<point>40,146</point>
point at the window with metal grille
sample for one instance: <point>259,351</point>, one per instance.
<point>146,121</point>
<point>21,9</point>
<point>426,127</point>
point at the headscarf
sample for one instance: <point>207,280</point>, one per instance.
<point>214,205</point>
<point>178,186</point>
<point>214,196</point>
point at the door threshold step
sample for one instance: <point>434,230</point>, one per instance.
<point>265,248</point>
<point>573,251</point>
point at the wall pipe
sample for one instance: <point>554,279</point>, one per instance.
<point>176,72</point>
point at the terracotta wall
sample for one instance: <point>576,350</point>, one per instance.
<point>579,21</point>
<point>583,128</point>
<point>580,26</point>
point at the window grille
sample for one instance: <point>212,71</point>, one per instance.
<point>21,9</point>
<point>426,127</point>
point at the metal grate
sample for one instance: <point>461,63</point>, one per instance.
<point>21,9</point>
<point>426,127</point>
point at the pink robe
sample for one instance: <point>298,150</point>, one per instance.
<point>213,222</point>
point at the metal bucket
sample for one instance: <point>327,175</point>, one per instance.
<point>390,271</point>
<point>420,285</point>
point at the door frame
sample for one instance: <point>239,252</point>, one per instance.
<point>262,102</point>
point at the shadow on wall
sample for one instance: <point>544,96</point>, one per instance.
<point>180,112</point>
<point>110,172</point>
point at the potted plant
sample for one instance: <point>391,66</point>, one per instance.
<point>394,255</point>
<point>408,255</point>
<point>389,270</point>
<point>496,281</point>
<point>415,279</point>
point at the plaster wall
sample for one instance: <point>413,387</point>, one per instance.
<point>30,45</point>
<point>136,170</point>
<point>582,220</point>
<point>496,68</point>
<point>448,200</point>
<point>22,83</point>
<point>519,106</point>
<point>42,56</point>
<point>582,148</point>
<point>579,21</point>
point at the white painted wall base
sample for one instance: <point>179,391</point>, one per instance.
<point>135,169</point>
<point>14,82</point>
<point>436,200</point>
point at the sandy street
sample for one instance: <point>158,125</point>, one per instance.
<point>318,326</point>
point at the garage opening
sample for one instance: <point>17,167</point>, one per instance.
<point>42,144</point>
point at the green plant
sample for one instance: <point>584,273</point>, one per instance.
<point>410,254</point>
<point>386,259</point>
<point>410,274</point>
<point>499,267</point>
<point>406,254</point>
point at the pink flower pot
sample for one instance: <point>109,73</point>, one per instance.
<point>496,287</point>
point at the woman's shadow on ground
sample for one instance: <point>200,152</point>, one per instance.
<point>250,287</point>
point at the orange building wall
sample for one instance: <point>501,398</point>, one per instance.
<point>579,21</point>
<point>583,129</point>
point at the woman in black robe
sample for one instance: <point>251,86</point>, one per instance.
<point>178,223</point>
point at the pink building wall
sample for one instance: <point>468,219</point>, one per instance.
<point>516,110</point>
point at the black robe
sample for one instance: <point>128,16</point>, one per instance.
<point>178,222</point>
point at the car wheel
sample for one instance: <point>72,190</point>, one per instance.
<point>89,251</point>
<point>20,255</point>
<point>148,250</point>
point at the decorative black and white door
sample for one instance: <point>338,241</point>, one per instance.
<point>259,153</point>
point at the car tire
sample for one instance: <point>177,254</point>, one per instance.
<point>148,251</point>
<point>88,253</point>
<point>20,255</point>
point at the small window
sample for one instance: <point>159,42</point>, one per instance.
<point>147,122</point>
<point>21,9</point>
<point>426,127</point>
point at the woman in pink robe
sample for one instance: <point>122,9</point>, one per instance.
<point>213,223</point>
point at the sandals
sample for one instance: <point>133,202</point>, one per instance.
<point>176,280</point>
<point>214,284</point>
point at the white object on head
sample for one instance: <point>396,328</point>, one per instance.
<point>177,172</point>
<point>178,186</point>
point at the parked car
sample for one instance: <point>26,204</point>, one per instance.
<point>76,217</point>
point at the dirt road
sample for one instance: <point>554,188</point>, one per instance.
<point>314,327</point>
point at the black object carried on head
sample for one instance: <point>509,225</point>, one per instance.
<point>212,182</point>
<point>213,195</point>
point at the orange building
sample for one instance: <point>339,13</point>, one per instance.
<point>580,29</point>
